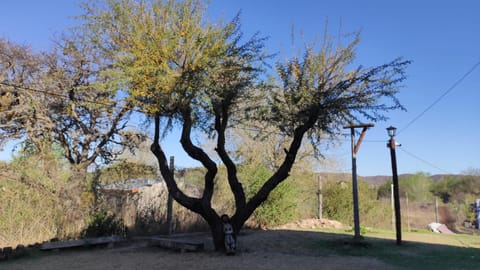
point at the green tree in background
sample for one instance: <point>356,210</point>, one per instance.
<point>338,201</point>
<point>280,207</point>
<point>65,97</point>
<point>416,186</point>
<point>454,188</point>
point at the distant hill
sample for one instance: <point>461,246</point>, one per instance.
<point>380,179</point>
<point>377,179</point>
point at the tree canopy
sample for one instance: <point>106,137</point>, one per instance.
<point>64,97</point>
<point>178,67</point>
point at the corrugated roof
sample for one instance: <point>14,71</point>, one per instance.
<point>132,184</point>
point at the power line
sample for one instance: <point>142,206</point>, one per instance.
<point>441,97</point>
<point>48,93</point>
<point>246,128</point>
<point>33,90</point>
<point>423,160</point>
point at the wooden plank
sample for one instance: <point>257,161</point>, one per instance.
<point>80,242</point>
<point>361,125</point>
<point>177,244</point>
<point>62,244</point>
<point>104,240</point>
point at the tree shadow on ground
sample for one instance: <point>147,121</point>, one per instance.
<point>410,254</point>
<point>282,248</point>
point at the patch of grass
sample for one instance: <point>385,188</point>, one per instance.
<point>447,252</point>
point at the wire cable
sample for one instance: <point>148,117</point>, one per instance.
<point>423,160</point>
<point>48,93</point>
<point>450,89</point>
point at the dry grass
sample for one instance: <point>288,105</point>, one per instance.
<point>27,216</point>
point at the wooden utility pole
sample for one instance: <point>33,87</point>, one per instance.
<point>396,194</point>
<point>320,198</point>
<point>170,201</point>
<point>408,211</point>
<point>393,207</point>
<point>355,148</point>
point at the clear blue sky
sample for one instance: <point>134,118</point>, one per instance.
<point>442,38</point>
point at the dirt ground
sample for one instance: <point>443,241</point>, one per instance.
<point>275,249</point>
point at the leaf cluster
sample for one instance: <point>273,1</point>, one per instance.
<point>321,90</point>
<point>174,62</point>
<point>455,188</point>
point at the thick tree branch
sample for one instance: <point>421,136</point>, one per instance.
<point>193,204</point>
<point>198,154</point>
<point>280,175</point>
<point>221,121</point>
<point>114,128</point>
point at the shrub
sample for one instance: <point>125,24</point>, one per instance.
<point>124,170</point>
<point>29,190</point>
<point>103,224</point>
<point>280,207</point>
<point>338,204</point>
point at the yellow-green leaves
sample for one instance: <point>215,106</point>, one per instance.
<point>320,89</point>
<point>164,49</point>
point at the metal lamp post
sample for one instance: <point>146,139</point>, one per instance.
<point>396,196</point>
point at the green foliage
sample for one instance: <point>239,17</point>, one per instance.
<point>320,89</point>
<point>30,187</point>
<point>281,205</point>
<point>124,170</point>
<point>193,175</point>
<point>337,201</point>
<point>180,68</point>
<point>338,204</point>
<point>41,166</point>
<point>454,188</point>
<point>417,187</point>
<point>169,56</point>
<point>385,190</point>
<point>363,230</point>
<point>305,183</point>
<point>458,192</point>
<point>465,208</point>
<point>223,196</point>
<point>103,224</point>
<point>28,215</point>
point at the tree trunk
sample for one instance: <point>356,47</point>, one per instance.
<point>203,205</point>
<point>75,209</point>
<point>218,236</point>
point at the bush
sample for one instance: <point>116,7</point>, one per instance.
<point>338,204</point>
<point>30,205</point>
<point>454,188</point>
<point>27,215</point>
<point>103,224</point>
<point>124,170</point>
<point>280,207</point>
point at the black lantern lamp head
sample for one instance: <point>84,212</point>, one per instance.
<point>391,131</point>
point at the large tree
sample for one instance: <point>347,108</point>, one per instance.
<point>66,97</point>
<point>181,69</point>
<point>19,111</point>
